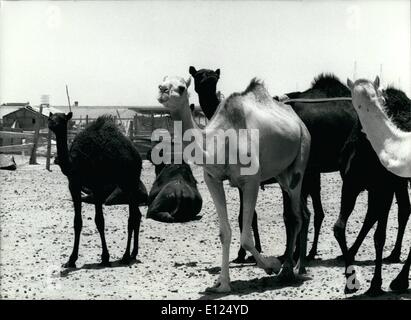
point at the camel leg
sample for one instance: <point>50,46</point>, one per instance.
<point>370,219</point>
<point>293,225</point>
<point>241,252</point>
<point>349,196</point>
<point>216,189</point>
<point>315,192</point>
<point>136,224</point>
<point>254,225</point>
<point>385,198</point>
<point>134,218</point>
<point>99,220</point>
<point>75,191</point>
<point>400,283</point>
<point>404,209</point>
<point>250,193</point>
<point>303,236</point>
<point>133,222</point>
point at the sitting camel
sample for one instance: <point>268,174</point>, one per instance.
<point>174,196</point>
<point>100,157</point>
<point>280,150</point>
<point>392,145</point>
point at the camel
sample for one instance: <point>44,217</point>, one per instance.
<point>174,196</point>
<point>361,169</point>
<point>205,84</point>
<point>100,156</point>
<point>391,144</point>
<point>330,124</point>
<point>280,149</point>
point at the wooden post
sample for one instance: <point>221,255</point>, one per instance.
<point>33,157</point>
<point>49,134</point>
<point>152,123</point>
<point>131,131</point>
<point>135,127</point>
<point>86,119</point>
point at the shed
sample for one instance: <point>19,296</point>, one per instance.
<point>25,117</point>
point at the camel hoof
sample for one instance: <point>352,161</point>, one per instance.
<point>281,258</point>
<point>270,265</point>
<point>302,270</point>
<point>105,264</point>
<point>125,260</point>
<point>69,265</point>
<point>348,290</point>
<point>250,259</point>
<point>374,291</point>
<point>311,256</point>
<point>399,284</point>
<point>340,258</point>
<point>286,277</point>
<point>219,288</point>
<point>240,259</point>
<point>392,258</point>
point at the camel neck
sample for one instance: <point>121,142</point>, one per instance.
<point>62,152</point>
<point>182,113</point>
<point>208,103</point>
<point>379,128</point>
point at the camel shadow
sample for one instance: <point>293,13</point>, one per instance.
<point>98,266</point>
<point>256,285</point>
<point>388,295</point>
<point>335,262</point>
<point>216,270</point>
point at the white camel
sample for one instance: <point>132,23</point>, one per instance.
<point>280,150</point>
<point>392,145</point>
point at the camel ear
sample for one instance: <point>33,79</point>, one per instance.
<point>50,114</point>
<point>377,82</point>
<point>188,82</point>
<point>69,115</point>
<point>350,84</point>
<point>192,70</point>
<point>218,72</point>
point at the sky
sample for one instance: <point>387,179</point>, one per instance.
<point>117,53</point>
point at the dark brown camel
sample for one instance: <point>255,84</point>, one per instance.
<point>100,156</point>
<point>174,196</point>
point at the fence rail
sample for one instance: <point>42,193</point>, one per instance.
<point>138,128</point>
<point>17,147</point>
<point>22,135</point>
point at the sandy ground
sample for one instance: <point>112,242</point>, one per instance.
<point>177,261</point>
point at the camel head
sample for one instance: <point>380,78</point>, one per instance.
<point>367,97</point>
<point>205,80</point>
<point>57,122</point>
<point>173,92</point>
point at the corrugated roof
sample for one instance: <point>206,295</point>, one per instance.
<point>46,110</point>
<point>15,104</point>
<point>5,110</point>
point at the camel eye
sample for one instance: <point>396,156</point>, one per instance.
<point>181,89</point>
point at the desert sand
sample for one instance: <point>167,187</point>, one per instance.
<point>175,261</point>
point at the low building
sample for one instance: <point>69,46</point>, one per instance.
<point>25,117</point>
